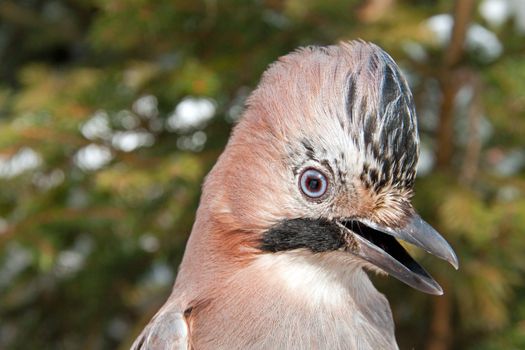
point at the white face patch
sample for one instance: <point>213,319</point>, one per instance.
<point>316,279</point>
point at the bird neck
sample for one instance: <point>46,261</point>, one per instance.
<point>293,300</point>
<point>330,299</point>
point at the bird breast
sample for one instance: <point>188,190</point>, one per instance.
<point>295,300</point>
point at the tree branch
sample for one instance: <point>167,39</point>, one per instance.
<point>440,328</point>
<point>449,84</point>
<point>473,147</point>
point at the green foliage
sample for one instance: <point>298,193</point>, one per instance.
<point>100,176</point>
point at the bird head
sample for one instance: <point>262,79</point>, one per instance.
<point>324,160</point>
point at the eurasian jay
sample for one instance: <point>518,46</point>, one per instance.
<point>314,186</point>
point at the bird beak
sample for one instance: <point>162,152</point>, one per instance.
<point>377,244</point>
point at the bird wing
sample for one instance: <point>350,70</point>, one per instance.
<point>168,330</point>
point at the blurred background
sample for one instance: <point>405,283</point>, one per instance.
<point>113,111</point>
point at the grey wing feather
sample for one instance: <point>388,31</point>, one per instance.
<point>166,331</point>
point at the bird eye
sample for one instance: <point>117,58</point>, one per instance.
<point>313,183</point>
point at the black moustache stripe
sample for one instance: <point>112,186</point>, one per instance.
<point>317,235</point>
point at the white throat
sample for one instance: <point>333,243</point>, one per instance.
<point>318,279</point>
<point>330,295</point>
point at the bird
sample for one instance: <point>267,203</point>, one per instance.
<point>311,193</point>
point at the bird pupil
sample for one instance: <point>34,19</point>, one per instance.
<point>314,184</point>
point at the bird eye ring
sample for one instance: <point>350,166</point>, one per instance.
<point>313,183</point>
